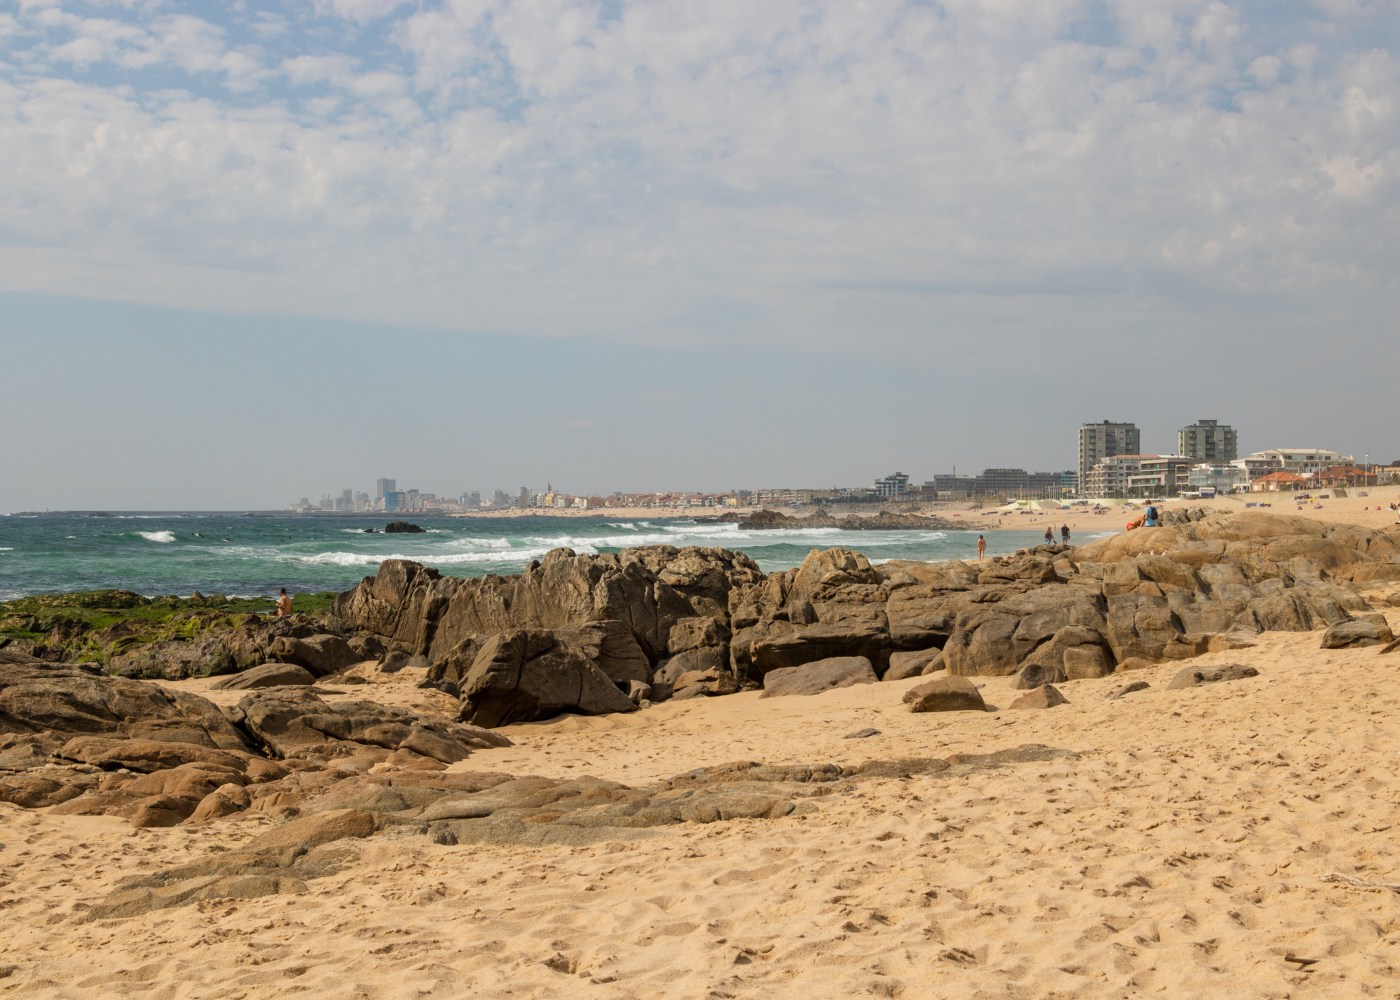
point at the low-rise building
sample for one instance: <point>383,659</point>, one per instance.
<point>1280,480</point>
<point>1221,478</point>
<point>1302,461</point>
<point>1345,475</point>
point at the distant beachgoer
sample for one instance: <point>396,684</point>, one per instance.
<point>1064,534</point>
<point>1049,535</point>
<point>1149,517</point>
<point>981,547</point>
<point>284,603</point>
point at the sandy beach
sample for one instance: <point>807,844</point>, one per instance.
<point>1233,840</point>
<point>1185,848</point>
<point>1372,511</point>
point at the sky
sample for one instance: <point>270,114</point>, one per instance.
<point>252,252</point>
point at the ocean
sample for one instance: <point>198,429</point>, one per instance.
<point>249,555</point>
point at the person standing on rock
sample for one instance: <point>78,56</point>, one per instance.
<point>981,547</point>
<point>284,603</point>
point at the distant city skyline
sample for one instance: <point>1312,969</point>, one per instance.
<point>254,248</point>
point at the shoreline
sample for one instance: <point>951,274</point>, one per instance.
<point>1372,511</point>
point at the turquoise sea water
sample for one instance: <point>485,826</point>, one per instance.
<point>252,555</point>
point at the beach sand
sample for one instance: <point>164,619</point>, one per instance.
<point>1372,511</point>
<point>1184,852</point>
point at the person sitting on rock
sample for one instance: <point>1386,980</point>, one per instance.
<point>1149,517</point>
<point>284,603</point>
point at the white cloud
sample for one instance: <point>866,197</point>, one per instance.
<point>812,174</point>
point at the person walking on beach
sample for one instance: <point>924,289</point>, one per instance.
<point>1064,534</point>
<point>981,547</point>
<point>1049,535</point>
<point>284,603</point>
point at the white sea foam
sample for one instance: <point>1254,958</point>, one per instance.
<point>431,558</point>
<point>9,548</point>
<point>480,543</point>
<point>157,536</point>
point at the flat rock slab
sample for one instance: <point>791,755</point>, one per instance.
<point>1190,677</point>
<point>822,675</point>
<point>484,807</point>
<point>1128,689</point>
<point>265,676</point>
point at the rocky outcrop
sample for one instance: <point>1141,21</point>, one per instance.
<point>624,613</point>
<point>402,528</point>
<point>656,615</point>
<point>81,742</point>
<point>41,698</point>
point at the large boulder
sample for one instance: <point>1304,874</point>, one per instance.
<point>322,654</point>
<point>945,694</point>
<point>814,678</point>
<point>521,675</point>
<point>1372,630</point>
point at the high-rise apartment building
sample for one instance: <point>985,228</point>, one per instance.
<point>382,486</point>
<point>1104,440</point>
<point>1208,441</point>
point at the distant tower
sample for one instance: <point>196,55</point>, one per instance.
<point>382,486</point>
<point>1104,440</point>
<point>1208,441</point>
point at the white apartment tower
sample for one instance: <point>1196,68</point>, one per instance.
<point>1208,441</point>
<point>1104,440</point>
